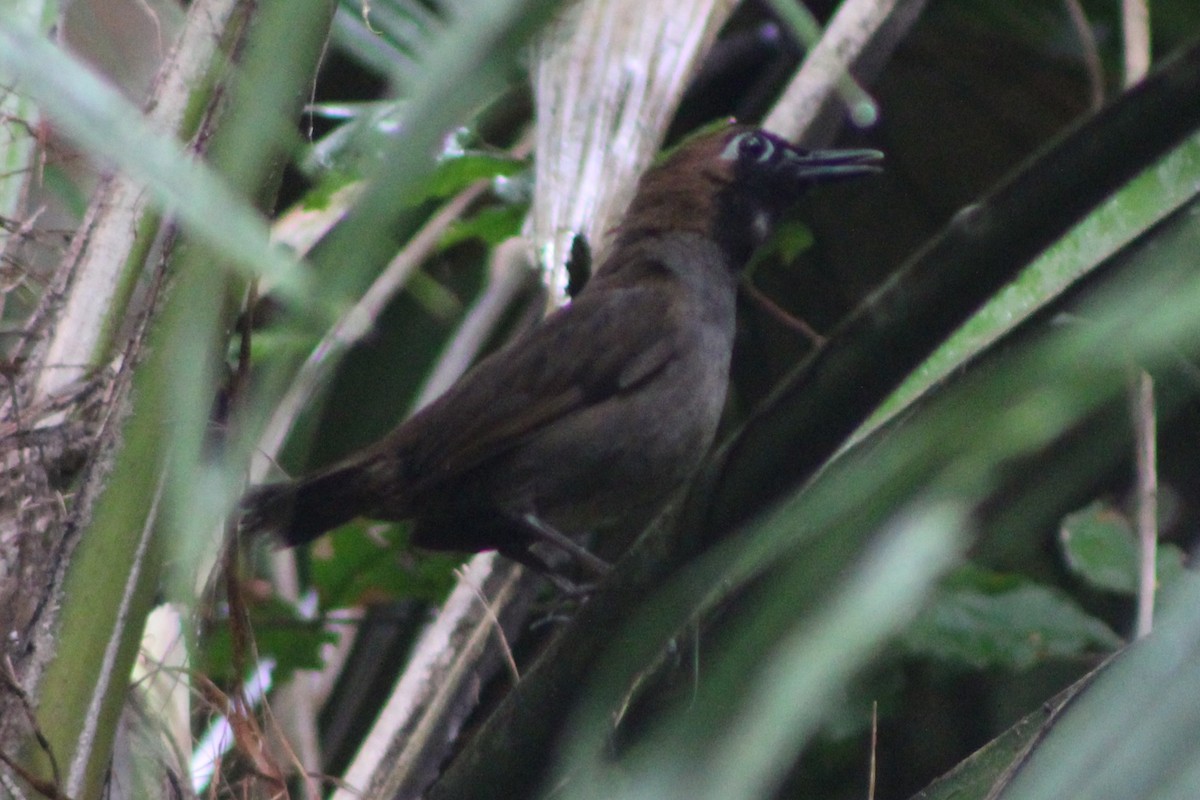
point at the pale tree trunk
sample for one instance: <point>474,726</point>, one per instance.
<point>74,595</point>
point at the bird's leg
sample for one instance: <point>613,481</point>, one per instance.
<point>527,558</point>
<point>540,531</point>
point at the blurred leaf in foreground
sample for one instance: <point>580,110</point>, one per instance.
<point>979,619</point>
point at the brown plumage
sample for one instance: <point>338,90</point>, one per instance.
<point>588,422</point>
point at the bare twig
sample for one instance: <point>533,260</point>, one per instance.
<point>1144,425</point>
<point>854,33</point>
<point>874,748</point>
<point>805,26</point>
<point>1090,51</point>
<point>1135,24</point>
<point>8,677</point>
<point>357,322</point>
<point>491,615</point>
<point>407,745</point>
<point>790,321</point>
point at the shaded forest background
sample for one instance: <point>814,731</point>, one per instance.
<point>923,534</point>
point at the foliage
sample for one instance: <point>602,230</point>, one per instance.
<point>972,532</point>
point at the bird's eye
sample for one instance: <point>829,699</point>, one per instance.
<point>751,146</point>
<point>756,148</point>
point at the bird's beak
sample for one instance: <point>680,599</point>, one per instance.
<point>824,165</point>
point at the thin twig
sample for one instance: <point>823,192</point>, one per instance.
<point>1144,425</point>
<point>1090,51</point>
<point>874,748</point>
<point>805,27</point>
<point>826,70</point>
<point>1135,25</point>
<point>357,322</point>
<point>490,612</point>
<point>9,680</point>
<point>789,321</point>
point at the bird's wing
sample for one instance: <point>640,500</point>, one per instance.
<point>602,345</point>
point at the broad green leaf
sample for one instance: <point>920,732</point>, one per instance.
<point>982,619</point>
<point>491,225</point>
<point>1100,546</point>
<point>990,767</point>
<point>1133,732</point>
<point>365,563</point>
<point>279,632</point>
<point>1128,213</point>
<point>455,173</point>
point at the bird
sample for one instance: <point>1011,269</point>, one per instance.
<point>586,424</point>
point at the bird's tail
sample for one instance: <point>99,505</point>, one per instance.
<point>300,511</point>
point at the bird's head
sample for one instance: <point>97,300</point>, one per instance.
<point>731,185</point>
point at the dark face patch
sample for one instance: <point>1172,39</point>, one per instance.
<point>762,189</point>
<point>768,175</point>
<point>731,186</point>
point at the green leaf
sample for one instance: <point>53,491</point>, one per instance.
<point>1114,224</point>
<point>992,766</point>
<point>455,173</point>
<point>362,141</point>
<point>322,196</point>
<point>492,225</point>
<point>789,239</point>
<point>1100,546</point>
<point>280,631</point>
<point>1133,731</point>
<point>1171,565</point>
<point>979,619</point>
<point>369,563</point>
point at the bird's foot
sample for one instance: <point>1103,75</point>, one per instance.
<point>540,531</point>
